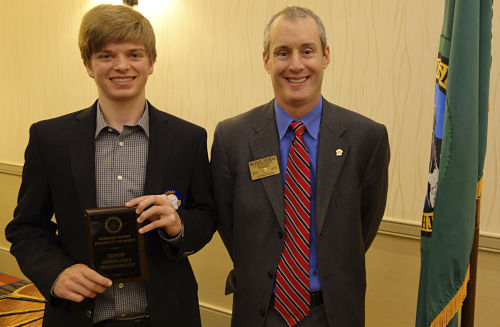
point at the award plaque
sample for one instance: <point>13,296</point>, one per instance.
<point>116,247</point>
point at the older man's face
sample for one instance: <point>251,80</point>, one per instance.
<point>296,63</point>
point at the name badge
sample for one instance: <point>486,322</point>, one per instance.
<point>264,167</point>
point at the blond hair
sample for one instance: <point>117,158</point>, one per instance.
<point>114,23</point>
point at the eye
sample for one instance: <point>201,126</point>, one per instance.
<point>136,55</point>
<point>282,55</point>
<point>308,52</point>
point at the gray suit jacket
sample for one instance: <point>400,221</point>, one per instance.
<point>351,192</point>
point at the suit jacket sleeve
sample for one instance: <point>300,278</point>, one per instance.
<point>198,211</point>
<point>374,186</point>
<point>223,187</point>
<point>31,232</point>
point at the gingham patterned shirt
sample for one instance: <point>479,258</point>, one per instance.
<point>120,165</point>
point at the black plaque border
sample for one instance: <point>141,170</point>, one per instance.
<point>117,210</point>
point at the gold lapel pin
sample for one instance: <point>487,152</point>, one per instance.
<point>339,152</point>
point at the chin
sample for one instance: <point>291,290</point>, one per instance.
<point>298,100</point>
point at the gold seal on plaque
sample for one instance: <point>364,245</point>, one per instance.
<point>113,224</point>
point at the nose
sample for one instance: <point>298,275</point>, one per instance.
<point>296,63</point>
<point>121,63</point>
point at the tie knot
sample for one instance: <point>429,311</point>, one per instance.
<point>298,127</point>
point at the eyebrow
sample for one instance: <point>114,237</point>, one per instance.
<point>308,45</point>
<point>129,50</point>
<point>280,47</point>
<point>303,45</point>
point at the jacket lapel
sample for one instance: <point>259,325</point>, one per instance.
<point>82,155</point>
<point>266,144</point>
<point>330,162</point>
<point>160,148</point>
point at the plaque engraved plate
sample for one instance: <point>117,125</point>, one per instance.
<point>116,247</point>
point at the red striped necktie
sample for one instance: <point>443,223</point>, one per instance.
<point>292,295</point>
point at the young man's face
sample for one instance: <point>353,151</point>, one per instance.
<point>296,62</point>
<point>120,70</point>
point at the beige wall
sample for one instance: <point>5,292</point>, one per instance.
<point>209,67</point>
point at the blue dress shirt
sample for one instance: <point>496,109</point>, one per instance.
<point>311,137</point>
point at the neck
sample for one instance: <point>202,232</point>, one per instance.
<point>120,113</point>
<point>298,111</point>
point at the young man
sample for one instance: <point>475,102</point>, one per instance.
<point>300,187</point>
<point>120,151</point>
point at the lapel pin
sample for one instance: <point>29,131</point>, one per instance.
<point>174,198</point>
<point>339,152</point>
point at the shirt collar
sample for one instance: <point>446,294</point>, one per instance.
<point>143,121</point>
<point>312,120</point>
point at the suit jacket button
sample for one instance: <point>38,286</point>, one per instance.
<point>262,312</point>
<point>89,313</point>
<point>280,234</point>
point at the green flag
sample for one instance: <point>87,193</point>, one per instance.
<point>457,159</point>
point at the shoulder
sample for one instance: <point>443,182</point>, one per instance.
<point>174,123</point>
<point>362,133</point>
<point>58,124</point>
<point>257,117</point>
<point>344,119</point>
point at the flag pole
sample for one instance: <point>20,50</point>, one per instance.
<point>468,309</point>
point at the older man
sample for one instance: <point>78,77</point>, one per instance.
<point>300,187</point>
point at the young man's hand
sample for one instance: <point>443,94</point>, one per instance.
<point>78,282</point>
<point>159,211</point>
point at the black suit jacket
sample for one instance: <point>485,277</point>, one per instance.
<point>59,178</point>
<point>351,190</point>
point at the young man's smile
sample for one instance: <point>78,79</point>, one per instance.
<point>120,70</point>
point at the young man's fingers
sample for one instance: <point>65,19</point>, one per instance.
<point>153,213</point>
<point>78,290</point>
<point>144,202</point>
<point>94,277</point>
<point>134,201</point>
<point>72,290</point>
<point>73,296</point>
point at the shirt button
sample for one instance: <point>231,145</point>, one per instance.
<point>121,143</point>
<point>120,285</point>
<point>315,272</point>
<point>119,177</point>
